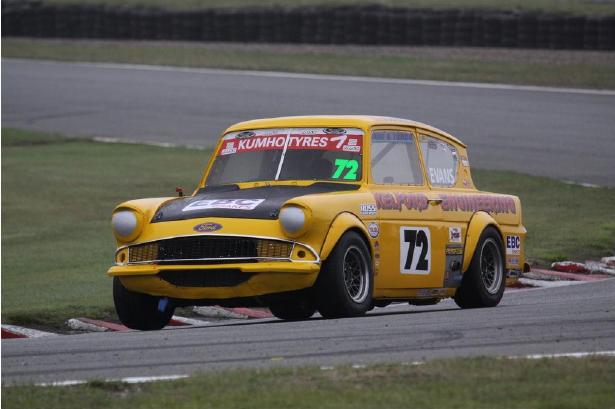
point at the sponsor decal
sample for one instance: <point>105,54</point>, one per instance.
<point>513,245</point>
<point>513,261</point>
<point>432,292</point>
<point>235,204</point>
<point>414,250</point>
<point>454,234</point>
<point>392,137</point>
<point>442,176</point>
<point>373,229</point>
<point>334,131</point>
<point>245,134</point>
<point>398,200</point>
<point>337,140</point>
<point>514,273</point>
<point>229,148</point>
<point>453,250</point>
<point>472,203</point>
<point>207,227</point>
<point>368,209</point>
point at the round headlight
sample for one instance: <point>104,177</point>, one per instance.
<point>125,223</point>
<point>292,219</point>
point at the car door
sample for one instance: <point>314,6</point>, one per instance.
<point>412,235</point>
<point>447,170</point>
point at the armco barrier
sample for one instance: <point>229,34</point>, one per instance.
<point>312,25</point>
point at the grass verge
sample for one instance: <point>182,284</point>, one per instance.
<point>58,194</point>
<point>579,7</point>
<point>586,69</point>
<point>459,383</point>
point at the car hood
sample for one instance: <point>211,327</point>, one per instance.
<point>231,201</point>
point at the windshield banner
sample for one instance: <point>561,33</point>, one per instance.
<point>326,139</point>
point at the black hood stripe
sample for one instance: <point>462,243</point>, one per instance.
<point>231,201</point>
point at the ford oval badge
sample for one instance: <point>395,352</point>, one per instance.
<point>207,227</point>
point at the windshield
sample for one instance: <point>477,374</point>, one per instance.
<point>332,154</point>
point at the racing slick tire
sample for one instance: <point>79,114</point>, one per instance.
<point>484,282</point>
<point>139,311</point>
<point>293,310</point>
<point>345,284</point>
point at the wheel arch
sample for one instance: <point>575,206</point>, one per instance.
<point>478,223</point>
<point>344,222</point>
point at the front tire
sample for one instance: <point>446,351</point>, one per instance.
<point>345,284</point>
<point>293,310</point>
<point>139,311</point>
<point>484,282</point>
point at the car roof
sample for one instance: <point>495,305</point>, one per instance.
<point>358,121</point>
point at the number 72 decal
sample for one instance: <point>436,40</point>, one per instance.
<point>414,250</point>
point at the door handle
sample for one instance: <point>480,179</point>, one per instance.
<point>434,201</point>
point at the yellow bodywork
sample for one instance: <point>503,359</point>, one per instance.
<point>460,208</point>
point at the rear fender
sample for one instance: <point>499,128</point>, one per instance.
<point>479,222</point>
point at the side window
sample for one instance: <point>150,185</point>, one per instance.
<point>395,158</point>
<point>440,160</point>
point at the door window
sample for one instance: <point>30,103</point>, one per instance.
<point>440,161</point>
<point>395,159</point>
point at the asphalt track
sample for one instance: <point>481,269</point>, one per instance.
<point>577,318</point>
<point>564,134</point>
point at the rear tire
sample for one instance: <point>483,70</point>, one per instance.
<point>345,284</point>
<point>484,282</point>
<point>139,311</point>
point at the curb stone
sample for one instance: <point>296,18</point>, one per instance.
<point>14,331</point>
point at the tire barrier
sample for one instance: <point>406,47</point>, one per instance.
<point>312,25</point>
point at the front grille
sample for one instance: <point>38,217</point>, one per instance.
<point>205,278</point>
<point>209,249</point>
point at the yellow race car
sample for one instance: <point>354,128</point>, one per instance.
<point>335,214</point>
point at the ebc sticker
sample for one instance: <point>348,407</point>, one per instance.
<point>414,250</point>
<point>235,204</point>
<point>513,245</point>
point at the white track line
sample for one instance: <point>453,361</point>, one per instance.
<point>144,379</point>
<point>565,355</point>
<point>132,379</point>
<point>323,77</point>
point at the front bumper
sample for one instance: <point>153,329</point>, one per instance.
<point>266,278</point>
<point>148,265</point>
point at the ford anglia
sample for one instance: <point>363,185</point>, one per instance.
<point>328,214</point>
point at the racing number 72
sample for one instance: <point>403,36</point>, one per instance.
<point>415,250</point>
<point>346,164</point>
